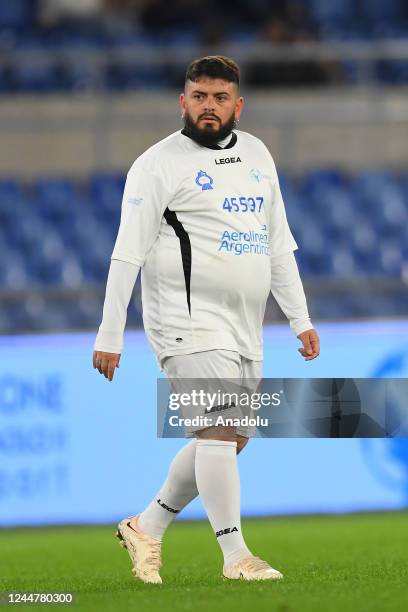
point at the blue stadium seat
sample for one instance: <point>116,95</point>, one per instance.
<point>367,186</point>
<point>394,31</point>
<point>16,13</point>
<point>50,246</point>
<point>139,42</point>
<point>35,75</point>
<point>45,270</point>
<point>120,76</point>
<point>364,245</point>
<point>336,206</point>
<point>335,306</point>
<point>380,196</point>
<point>4,246</point>
<point>343,264</point>
<point>79,77</point>
<point>392,212</point>
<point>57,201</point>
<point>298,219</point>
<point>106,190</point>
<point>288,186</point>
<point>185,37</point>
<point>72,275</point>
<point>44,316</point>
<point>48,270</point>
<point>392,257</point>
<point>332,11</point>
<point>87,312</point>
<point>314,183</point>
<point>95,262</point>
<point>7,321</point>
<point>10,193</point>
<point>26,232</point>
<point>76,68</point>
<point>390,11</point>
<point>31,42</point>
<point>11,201</point>
<point>313,250</point>
<point>7,84</point>
<point>13,270</point>
<point>55,192</point>
<point>374,304</point>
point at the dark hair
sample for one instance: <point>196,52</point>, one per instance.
<point>214,67</point>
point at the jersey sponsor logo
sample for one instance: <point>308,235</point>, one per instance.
<point>166,507</point>
<point>258,176</point>
<point>228,160</point>
<point>225,531</point>
<point>204,180</point>
<point>135,201</point>
<point>239,243</point>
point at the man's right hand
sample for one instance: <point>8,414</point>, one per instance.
<point>106,363</point>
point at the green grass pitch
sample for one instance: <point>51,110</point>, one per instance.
<point>341,563</point>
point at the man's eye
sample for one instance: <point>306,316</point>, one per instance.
<point>221,98</point>
<point>198,96</point>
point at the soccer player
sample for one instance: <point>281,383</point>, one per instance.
<point>204,220</point>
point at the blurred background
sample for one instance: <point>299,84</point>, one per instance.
<point>88,85</point>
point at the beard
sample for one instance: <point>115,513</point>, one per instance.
<point>208,135</point>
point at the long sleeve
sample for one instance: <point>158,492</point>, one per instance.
<point>144,199</point>
<point>121,280</point>
<point>287,289</point>
<point>281,239</point>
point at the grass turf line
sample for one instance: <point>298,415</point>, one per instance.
<point>330,563</point>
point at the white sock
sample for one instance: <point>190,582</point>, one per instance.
<point>178,490</point>
<point>217,480</point>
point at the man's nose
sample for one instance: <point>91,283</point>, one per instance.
<point>209,104</point>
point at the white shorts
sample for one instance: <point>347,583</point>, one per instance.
<point>221,365</point>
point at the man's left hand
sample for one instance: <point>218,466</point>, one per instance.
<point>311,344</point>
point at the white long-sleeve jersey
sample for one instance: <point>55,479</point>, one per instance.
<point>207,227</point>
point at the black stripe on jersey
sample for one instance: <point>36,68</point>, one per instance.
<point>216,147</point>
<point>185,247</point>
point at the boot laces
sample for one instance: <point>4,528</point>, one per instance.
<point>254,564</point>
<point>154,557</point>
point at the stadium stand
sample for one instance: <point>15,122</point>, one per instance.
<point>57,236</point>
<point>116,49</point>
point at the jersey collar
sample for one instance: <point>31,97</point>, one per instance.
<point>216,147</point>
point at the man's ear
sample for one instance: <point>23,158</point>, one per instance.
<point>182,103</point>
<point>239,107</point>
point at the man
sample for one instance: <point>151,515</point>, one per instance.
<point>203,217</point>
